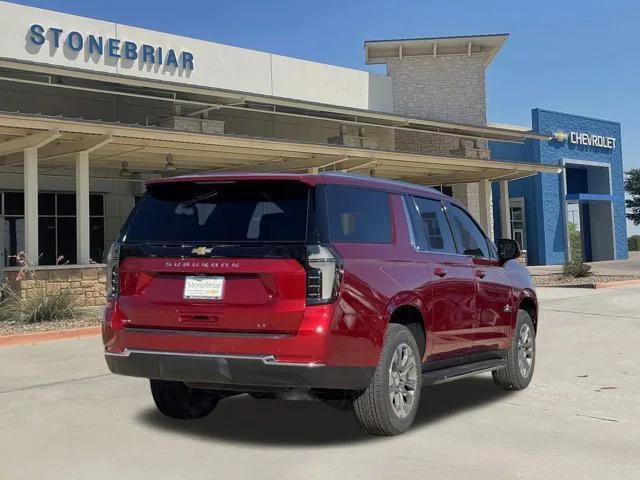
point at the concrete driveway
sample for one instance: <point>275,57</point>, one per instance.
<point>65,417</point>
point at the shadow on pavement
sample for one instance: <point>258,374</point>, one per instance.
<point>303,423</point>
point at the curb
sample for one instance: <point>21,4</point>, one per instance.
<point>596,286</point>
<point>621,283</point>
<point>49,336</point>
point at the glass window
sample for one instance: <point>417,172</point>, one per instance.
<point>431,227</point>
<point>96,205</point>
<point>66,204</point>
<point>56,227</point>
<point>222,212</point>
<point>356,215</point>
<point>47,240</point>
<point>14,203</point>
<point>46,204</point>
<point>471,240</point>
<point>66,236</point>
<point>96,239</point>
<point>13,239</point>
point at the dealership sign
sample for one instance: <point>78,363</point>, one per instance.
<point>592,140</point>
<point>586,139</point>
<point>113,48</point>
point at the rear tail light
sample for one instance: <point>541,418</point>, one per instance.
<point>113,271</point>
<point>113,318</point>
<point>324,274</point>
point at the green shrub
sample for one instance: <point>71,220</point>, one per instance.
<point>43,304</point>
<point>576,270</point>
<point>7,296</point>
<point>40,305</point>
<point>575,244</point>
<point>634,243</point>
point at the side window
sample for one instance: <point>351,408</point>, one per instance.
<point>430,226</point>
<point>470,238</point>
<point>357,215</point>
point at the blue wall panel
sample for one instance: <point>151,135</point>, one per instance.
<point>544,202</point>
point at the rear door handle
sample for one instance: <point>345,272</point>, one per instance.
<point>480,273</point>
<point>439,271</point>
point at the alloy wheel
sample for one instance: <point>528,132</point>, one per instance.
<point>403,379</point>
<point>526,350</point>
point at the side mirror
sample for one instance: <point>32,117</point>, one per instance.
<point>507,249</point>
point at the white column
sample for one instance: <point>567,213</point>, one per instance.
<point>31,204</point>
<point>486,215</point>
<point>82,207</point>
<point>505,210</point>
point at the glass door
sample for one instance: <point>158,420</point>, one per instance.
<point>518,222</point>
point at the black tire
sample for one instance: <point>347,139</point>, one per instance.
<point>511,377</point>
<point>176,400</point>
<point>373,408</point>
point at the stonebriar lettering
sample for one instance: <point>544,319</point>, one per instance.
<point>592,140</point>
<point>111,47</point>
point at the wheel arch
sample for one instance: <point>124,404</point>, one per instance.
<point>408,310</point>
<point>529,305</point>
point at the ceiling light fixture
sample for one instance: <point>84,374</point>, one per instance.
<point>125,172</point>
<point>169,166</point>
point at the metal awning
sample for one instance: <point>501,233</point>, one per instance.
<point>146,149</point>
<point>196,100</point>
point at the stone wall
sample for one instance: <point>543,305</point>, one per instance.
<point>87,282</point>
<point>448,88</point>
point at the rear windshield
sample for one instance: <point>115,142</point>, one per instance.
<point>246,211</point>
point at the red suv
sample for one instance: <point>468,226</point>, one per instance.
<point>352,290</point>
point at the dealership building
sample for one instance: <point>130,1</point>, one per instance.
<point>90,110</point>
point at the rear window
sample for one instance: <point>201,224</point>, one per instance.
<point>222,212</point>
<point>357,215</point>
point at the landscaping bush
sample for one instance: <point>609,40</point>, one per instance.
<point>6,297</point>
<point>43,304</point>
<point>40,304</point>
<point>634,243</point>
<point>575,267</point>
<point>576,270</point>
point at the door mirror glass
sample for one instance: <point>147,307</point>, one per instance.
<point>508,249</point>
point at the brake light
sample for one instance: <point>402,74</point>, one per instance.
<point>324,274</point>
<point>113,317</point>
<point>113,271</point>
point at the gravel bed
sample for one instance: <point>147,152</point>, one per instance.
<point>13,328</point>
<point>556,280</point>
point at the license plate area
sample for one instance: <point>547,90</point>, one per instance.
<point>203,288</point>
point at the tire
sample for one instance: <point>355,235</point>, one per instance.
<point>514,377</point>
<point>176,400</point>
<point>374,408</point>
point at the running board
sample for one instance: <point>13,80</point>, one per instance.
<point>461,371</point>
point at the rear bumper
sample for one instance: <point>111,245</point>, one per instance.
<point>236,370</point>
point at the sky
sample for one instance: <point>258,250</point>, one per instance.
<point>575,56</point>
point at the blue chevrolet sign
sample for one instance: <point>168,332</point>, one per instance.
<point>111,47</point>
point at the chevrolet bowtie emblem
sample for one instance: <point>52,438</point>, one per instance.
<point>201,250</point>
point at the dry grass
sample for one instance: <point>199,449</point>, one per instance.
<point>41,305</point>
